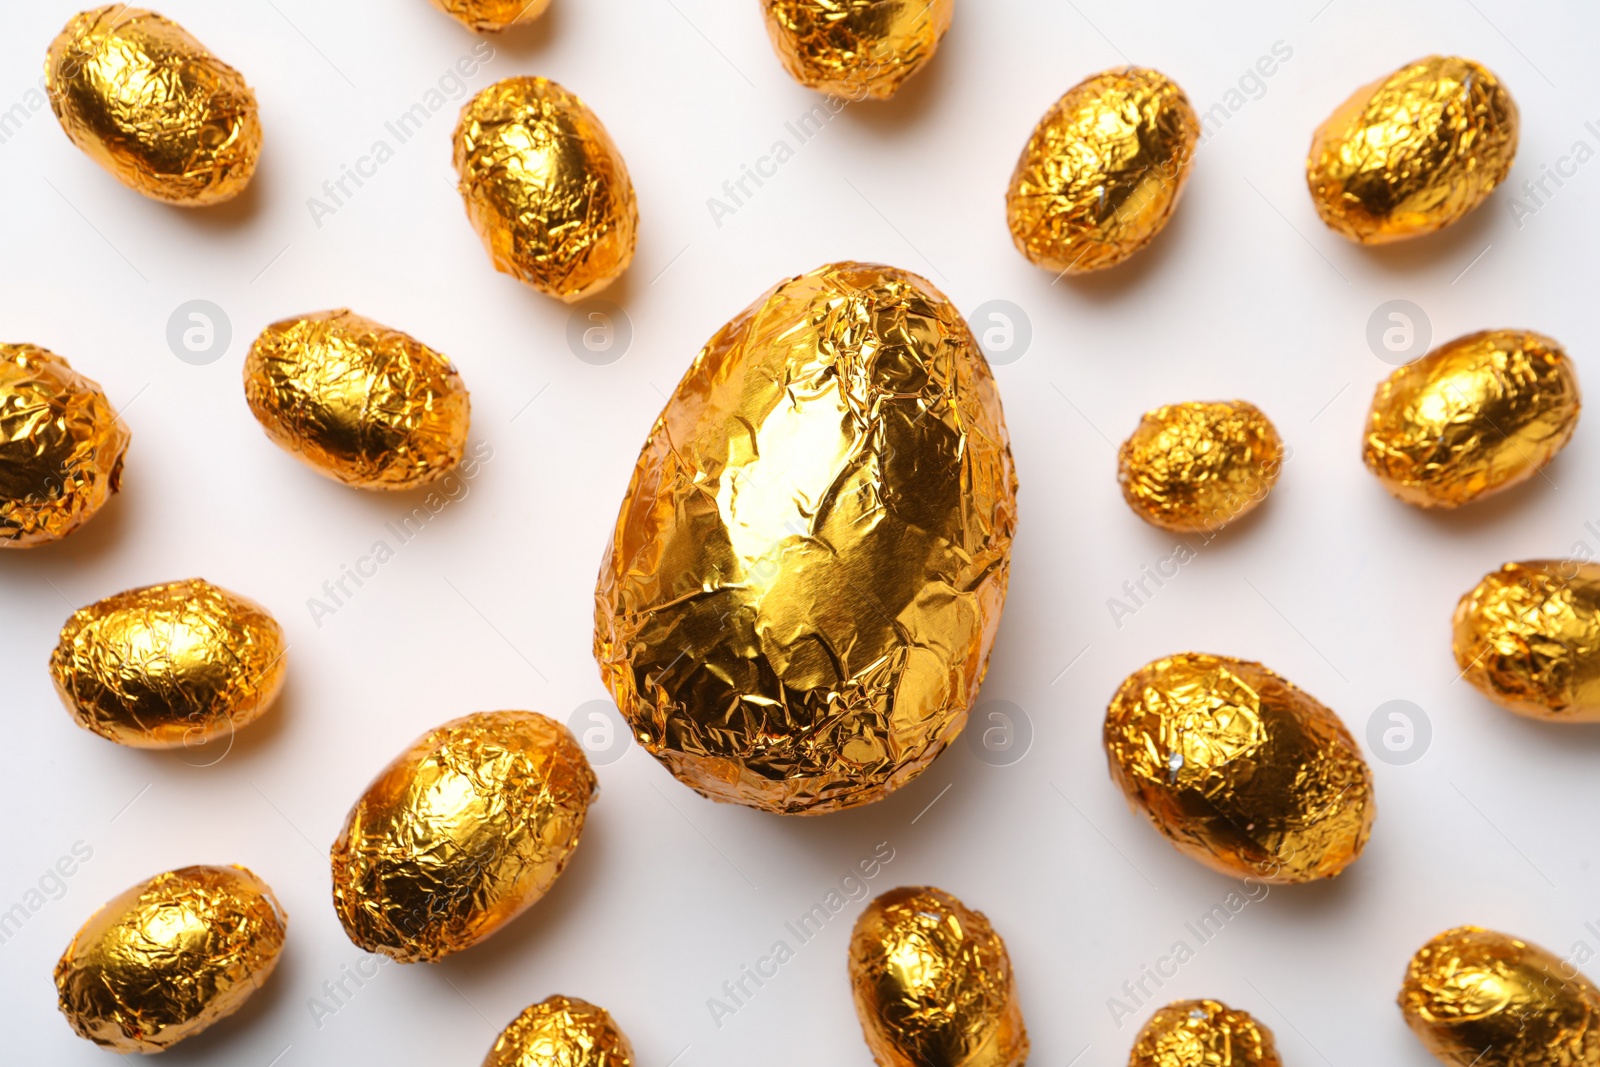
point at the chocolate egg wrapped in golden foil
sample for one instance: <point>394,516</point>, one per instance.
<point>460,834</point>
<point>492,16</point>
<point>168,666</point>
<point>150,104</point>
<point>1195,467</point>
<point>933,984</point>
<point>1203,1033</point>
<point>61,447</point>
<point>1413,152</point>
<point>364,404</point>
<point>1239,769</point>
<point>1477,998</point>
<point>546,188</point>
<point>561,1032</point>
<point>1103,171</point>
<point>170,957</point>
<point>856,49</point>
<point>799,598</point>
<point>1473,417</point>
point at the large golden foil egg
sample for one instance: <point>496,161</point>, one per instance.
<point>1203,1033</point>
<point>1477,998</point>
<point>150,104</point>
<point>1239,769</point>
<point>169,957</point>
<point>1195,467</point>
<point>1103,171</point>
<point>492,16</point>
<point>799,598</point>
<point>460,834</point>
<point>1413,152</point>
<point>933,984</point>
<point>561,1032</point>
<point>856,49</point>
<point>546,188</point>
<point>61,447</point>
<point>1473,417</point>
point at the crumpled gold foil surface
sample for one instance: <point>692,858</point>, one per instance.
<point>1414,151</point>
<point>799,598</point>
<point>1239,769</point>
<point>1203,1033</point>
<point>1195,467</point>
<point>933,984</point>
<point>364,404</point>
<point>169,957</point>
<point>1473,417</point>
<point>460,834</point>
<point>856,49</point>
<point>1477,998</point>
<point>561,1032</point>
<point>150,104</point>
<point>492,16</point>
<point>1103,171</point>
<point>546,188</point>
<point>61,447</point>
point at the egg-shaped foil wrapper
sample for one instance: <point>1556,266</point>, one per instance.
<point>933,984</point>
<point>150,104</point>
<point>561,1032</point>
<point>1475,416</point>
<point>1203,1033</point>
<point>799,598</point>
<point>61,447</point>
<point>178,665</point>
<point>492,16</point>
<point>169,957</point>
<point>1413,152</point>
<point>1239,769</point>
<point>1477,998</point>
<point>856,49</point>
<point>1195,467</point>
<point>546,188</point>
<point>460,834</point>
<point>1103,171</point>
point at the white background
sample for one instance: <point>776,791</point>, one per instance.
<point>1332,583</point>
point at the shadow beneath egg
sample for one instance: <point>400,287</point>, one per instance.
<point>1541,743</point>
<point>1453,248</point>
<point>525,40</point>
<point>231,216</point>
<point>1116,283</point>
<point>105,532</point>
<point>225,1041</point>
<point>917,96</point>
<point>1489,512</point>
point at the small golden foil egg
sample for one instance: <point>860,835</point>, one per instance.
<point>460,834</point>
<point>1473,417</point>
<point>169,666</point>
<point>933,984</point>
<point>546,188</point>
<point>361,403</point>
<point>1203,1033</point>
<point>169,957</point>
<point>1477,998</point>
<point>856,49</point>
<point>492,16</point>
<point>1412,152</point>
<point>561,1032</point>
<point>1103,171</point>
<point>1239,769</point>
<point>804,583</point>
<point>151,105</point>
<point>1195,467</point>
<point>61,447</point>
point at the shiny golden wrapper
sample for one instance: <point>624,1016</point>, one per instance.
<point>1203,1033</point>
<point>1473,417</point>
<point>1413,152</point>
<point>933,984</point>
<point>492,16</point>
<point>150,104</point>
<point>1103,171</point>
<point>799,598</point>
<point>1476,998</point>
<point>1195,467</point>
<point>169,666</point>
<point>561,1032</point>
<point>546,188</point>
<point>460,834</point>
<point>856,49</point>
<point>169,957</point>
<point>1239,769</point>
<point>362,403</point>
<point>61,447</point>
